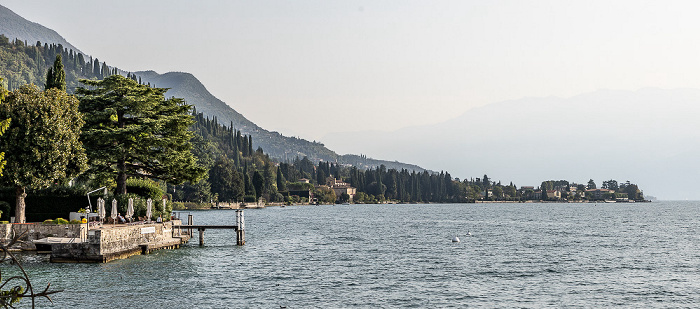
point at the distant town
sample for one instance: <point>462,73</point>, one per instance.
<point>549,191</point>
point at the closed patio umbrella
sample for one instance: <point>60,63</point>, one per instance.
<point>114,210</point>
<point>101,211</point>
<point>130,209</point>
<point>149,204</point>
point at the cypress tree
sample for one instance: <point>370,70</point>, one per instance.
<point>96,68</point>
<point>244,146</point>
<point>49,79</point>
<point>105,69</point>
<point>238,140</point>
<point>281,182</point>
<point>258,183</point>
<point>320,177</point>
<point>56,76</point>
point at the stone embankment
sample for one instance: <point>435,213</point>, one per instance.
<point>77,243</point>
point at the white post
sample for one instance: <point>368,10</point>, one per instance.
<point>240,231</point>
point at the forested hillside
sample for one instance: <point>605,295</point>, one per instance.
<point>185,85</point>
<point>283,148</point>
<point>23,63</point>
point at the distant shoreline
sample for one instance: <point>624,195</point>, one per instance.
<point>564,202</point>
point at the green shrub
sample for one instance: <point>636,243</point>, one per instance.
<point>178,205</point>
<point>48,221</point>
<point>75,221</point>
<point>61,221</point>
<point>145,188</point>
<point>123,204</point>
<point>193,205</point>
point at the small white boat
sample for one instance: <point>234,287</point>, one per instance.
<point>455,239</point>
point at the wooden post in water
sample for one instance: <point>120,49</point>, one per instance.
<point>189,222</point>
<point>240,231</point>
<point>201,236</point>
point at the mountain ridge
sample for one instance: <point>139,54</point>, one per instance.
<point>648,136</point>
<point>14,26</point>
<point>187,86</point>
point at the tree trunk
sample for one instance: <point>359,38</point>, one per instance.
<point>20,194</point>
<point>121,163</point>
<point>121,183</point>
<point>121,177</point>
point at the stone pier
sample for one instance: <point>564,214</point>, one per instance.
<point>120,241</point>
<point>101,244</point>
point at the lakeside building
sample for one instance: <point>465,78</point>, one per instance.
<point>598,194</point>
<point>340,187</point>
<point>488,193</point>
<point>537,195</point>
<point>553,194</point>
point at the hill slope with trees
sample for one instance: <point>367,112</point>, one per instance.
<point>28,49</point>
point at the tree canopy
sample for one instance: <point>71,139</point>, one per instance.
<point>4,124</point>
<point>42,144</point>
<point>132,130</point>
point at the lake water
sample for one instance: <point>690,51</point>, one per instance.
<point>519,255</point>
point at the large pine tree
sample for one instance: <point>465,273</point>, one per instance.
<point>131,130</point>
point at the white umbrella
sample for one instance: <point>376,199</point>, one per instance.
<point>114,209</point>
<point>101,211</point>
<point>97,207</point>
<point>130,209</point>
<point>149,204</point>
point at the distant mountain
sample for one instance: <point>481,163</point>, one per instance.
<point>650,137</point>
<point>14,26</point>
<point>185,85</point>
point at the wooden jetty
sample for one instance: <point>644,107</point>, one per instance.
<point>239,228</point>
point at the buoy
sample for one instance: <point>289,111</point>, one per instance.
<point>455,239</point>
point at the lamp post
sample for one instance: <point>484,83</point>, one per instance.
<point>90,204</point>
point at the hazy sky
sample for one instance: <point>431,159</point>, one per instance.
<point>308,68</point>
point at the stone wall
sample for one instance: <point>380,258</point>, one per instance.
<point>34,231</point>
<point>126,238</point>
<point>109,243</point>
